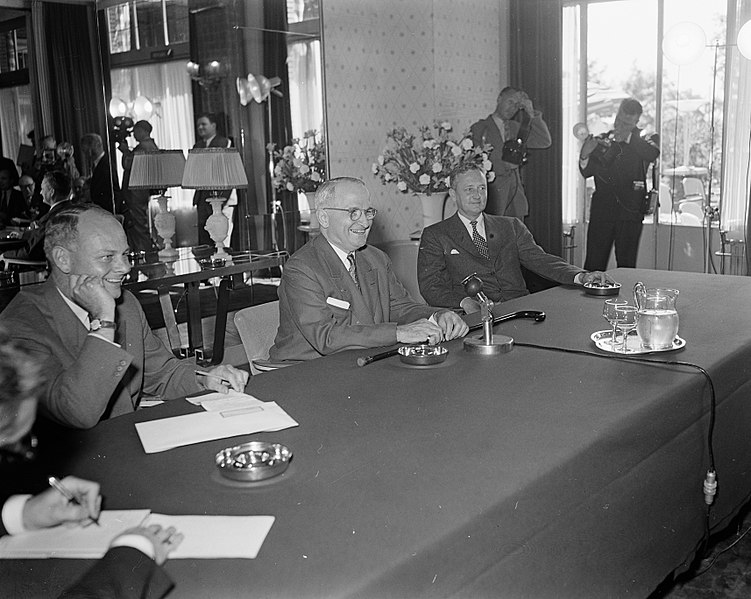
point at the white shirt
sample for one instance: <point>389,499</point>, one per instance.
<point>468,224</point>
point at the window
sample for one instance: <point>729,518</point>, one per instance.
<point>14,52</point>
<point>304,64</point>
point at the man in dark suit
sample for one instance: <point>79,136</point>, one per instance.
<point>99,353</point>
<point>493,247</point>
<point>207,138</point>
<point>12,204</point>
<point>126,570</point>
<point>104,190</point>
<point>506,195</point>
<point>338,293</point>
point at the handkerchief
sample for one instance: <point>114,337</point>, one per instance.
<point>454,251</point>
<point>337,303</point>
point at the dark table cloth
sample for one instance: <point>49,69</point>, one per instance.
<point>536,473</point>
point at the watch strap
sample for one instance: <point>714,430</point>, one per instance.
<point>97,324</point>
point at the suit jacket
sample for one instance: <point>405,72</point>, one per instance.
<point>217,142</point>
<point>14,208</point>
<point>321,310</point>
<point>103,187</point>
<point>506,193</point>
<point>448,255</point>
<point>87,378</point>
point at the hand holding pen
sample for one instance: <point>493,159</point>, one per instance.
<point>53,507</point>
<point>222,378</point>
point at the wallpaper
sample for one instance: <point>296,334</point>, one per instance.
<point>406,63</point>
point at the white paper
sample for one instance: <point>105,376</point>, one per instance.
<point>218,402</point>
<point>168,433</point>
<point>205,537</point>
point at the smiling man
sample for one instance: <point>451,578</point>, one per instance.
<point>339,293</point>
<point>492,247</point>
<point>98,352</point>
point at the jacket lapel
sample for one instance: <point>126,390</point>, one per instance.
<point>61,319</point>
<point>460,234</point>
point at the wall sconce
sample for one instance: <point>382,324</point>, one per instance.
<point>141,109</point>
<point>207,75</point>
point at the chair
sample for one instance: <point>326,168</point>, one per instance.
<point>28,271</point>
<point>257,327</point>
<point>693,187</point>
<point>693,208</point>
<point>666,203</point>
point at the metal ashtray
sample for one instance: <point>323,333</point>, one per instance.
<point>253,461</point>
<point>423,355</point>
<point>595,289</point>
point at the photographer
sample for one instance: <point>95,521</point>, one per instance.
<point>514,127</point>
<point>618,160</point>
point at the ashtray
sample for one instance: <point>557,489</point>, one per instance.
<point>595,289</point>
<point>254,461</point>
<point>423,355</point>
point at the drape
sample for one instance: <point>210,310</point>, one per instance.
<point>535,57</point>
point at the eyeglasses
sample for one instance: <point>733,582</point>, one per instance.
<point>356,213</point>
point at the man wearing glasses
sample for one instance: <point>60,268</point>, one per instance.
<point>338,293</point>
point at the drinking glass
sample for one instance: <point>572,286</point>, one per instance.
<point>608,313</point>
<point>625,319</point>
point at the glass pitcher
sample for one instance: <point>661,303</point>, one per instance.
<point>657,324</point>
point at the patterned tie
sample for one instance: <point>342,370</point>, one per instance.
<point>353,268</point>
<point>480,242</point>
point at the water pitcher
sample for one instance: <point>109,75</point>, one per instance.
<point>657,323</point>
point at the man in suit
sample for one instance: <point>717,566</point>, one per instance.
<point>99,353</point>
<point>137,200</point>
<point>207,138</point>
<point>125,570</point>
<point>493,247</point>
<point>104,190</point>
<point>338,293</point>
<point>506,195</point>
<point>12,204</point>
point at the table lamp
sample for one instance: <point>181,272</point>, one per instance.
<point>215,169</point>
<point>159,170</point>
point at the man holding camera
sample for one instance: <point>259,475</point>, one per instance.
<point>514,127</point>
<point>618,161</point>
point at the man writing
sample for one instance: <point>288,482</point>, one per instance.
<point>338,293</point>
<point>617,211</point>
<point>506,195</point>
<point>99,353</point>
<point>493,247</point>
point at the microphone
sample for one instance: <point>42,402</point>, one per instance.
<point>581,131</point>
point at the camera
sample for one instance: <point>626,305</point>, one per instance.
<point>48,156</point>
<point>121,128</point>
<point>515,152</point>
<point>606,150</point>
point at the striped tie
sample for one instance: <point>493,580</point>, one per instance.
<point>353,269</point>
<point>480,242</point>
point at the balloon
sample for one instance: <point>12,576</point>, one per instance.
<point>744,40</point>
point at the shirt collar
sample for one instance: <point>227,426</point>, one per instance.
<point>467,223</point>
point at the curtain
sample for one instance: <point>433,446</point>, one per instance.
<point>305,97</point>
<point>536,68</point>
<point>16,119</point>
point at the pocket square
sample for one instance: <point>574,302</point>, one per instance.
<point>454,251</point>
<point>337,303</point>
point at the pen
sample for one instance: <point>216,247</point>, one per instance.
<point>213,376</point>
<point>65,492</point>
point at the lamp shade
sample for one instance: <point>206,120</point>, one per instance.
<point>159,169</point>
<point>683,43</point>
<point>744,40</point>
<point>214,169</point>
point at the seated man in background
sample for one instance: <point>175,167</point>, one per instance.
<point>493,247</point>
<point>338,293</point>
<point>35,206</point>
<point>100,355</point>
<point>123,571</point>
<point>12,205</point>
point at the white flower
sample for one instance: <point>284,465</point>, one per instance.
<point>487,165</point>
<point>375,168</point>
<point>456,150</point>
<point>429,144</point>
<point>315,177</point>
<point>437,167</point>
<point>467,143</point>
<point>304,169</point>
<point>424,179</point>
<point>290,187</point>
<point>446,126</point>
<point>414,167</point>
<point>297,162</point>
<point>491,177</point>
<point>380,160</point>
<point>401,186</point>
<point>447,181</point>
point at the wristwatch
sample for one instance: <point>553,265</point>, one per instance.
<point>97,324</point>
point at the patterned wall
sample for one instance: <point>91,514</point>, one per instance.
<point>406,62</point>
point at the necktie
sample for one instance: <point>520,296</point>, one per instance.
<point>353,269</point>
<point>480,242</point>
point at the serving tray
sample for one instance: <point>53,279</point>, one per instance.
<point>602,340</point>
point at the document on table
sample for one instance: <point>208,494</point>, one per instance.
<point>206,537</point>
<point>238,416</point>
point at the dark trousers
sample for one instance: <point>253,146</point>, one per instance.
<point>137,220</point>
<point>601,235</point>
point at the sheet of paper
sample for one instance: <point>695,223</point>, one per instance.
<point>206,537</point>
<point>89,542</point>
<point>167,433</point>
<point>217,536</point>
<point>218,402</point>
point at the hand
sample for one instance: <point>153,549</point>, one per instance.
<point>418,332</point>
<point>597,277</point>
<point>88,292</point>
<point>469,305</point>
<point>237,378</point>
<point>164,540</point>
<point>526,104</point>
<point>588,147</point>
<point>50,508</point>
<point>451,324</point>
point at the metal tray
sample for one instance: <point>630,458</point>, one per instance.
<point>602,340</point>
<point>253,461</point>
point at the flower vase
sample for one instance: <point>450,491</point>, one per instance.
<point>165,227</point>
<point>311,197</point>
<point>432,208</point>
<point>217,226</point>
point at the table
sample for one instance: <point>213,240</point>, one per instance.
<point>189,272</point>
<point>531,474</point>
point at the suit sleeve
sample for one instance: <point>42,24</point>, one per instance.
<point>533,257</point>
<point>433,277</point>
<point>539,135</point>
<point>647,151</point>
<point>123,573</point>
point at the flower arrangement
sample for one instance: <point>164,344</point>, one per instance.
<point>300,166</point>
<point>423,163</point>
